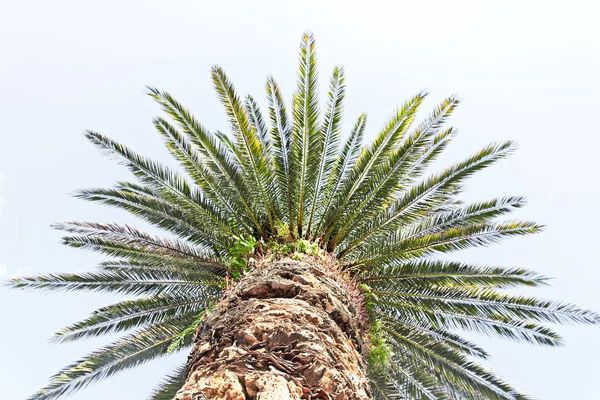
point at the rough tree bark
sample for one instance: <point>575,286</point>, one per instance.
<point>286,330</point>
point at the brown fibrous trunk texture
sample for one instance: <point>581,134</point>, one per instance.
<point>286,330</point>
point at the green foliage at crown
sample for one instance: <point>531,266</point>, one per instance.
<point>285,177</point>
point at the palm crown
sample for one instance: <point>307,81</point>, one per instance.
<point>294,180</point>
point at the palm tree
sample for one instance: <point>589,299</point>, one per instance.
<point>303,266</point>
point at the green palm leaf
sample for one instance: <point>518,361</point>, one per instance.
<point>124,281</point>
<point>388,177</point>
<point>307,143</point>
<point>495,326</point>
<point>248,144</point>
<point>415,381</point>
<point>214,154</point>
<point>174,187</point>
<point>452,365</point>
<point>371,157</point>
<point>330,132</point>
<point>425,273</point>
<point>137,313</point>
<point>488,303</point>
<point>281,135</point>
<point>342,166</point>
<point>420,199</point>
<point>148,204</point>
<point>128,352</point>
<point>187,155</point>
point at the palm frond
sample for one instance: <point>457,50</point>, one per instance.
<point>255,117</point>
<point>451,340</point>
<point>307,143</point>
<point>156,251</point>
<point>384,386</point>
<point>252,153</point>
<point>281,135</point>
<point>188,156</point>
<point>173,186</point>
<point>147,203</point>
<point>429,273</point>
<point>344,163</point>
<point>330,132</point>
<point>170,385</point>
<point>415,381</point>
<point>370,158</point>
<point>489,303</point>
<point>417,201</point>
<point>454,367</point>
<point>130,314</point>
<point>214,154</point>
<point>124,281</point>
<point>128,352</point>
<point>132,236</point>
<point>495,326</point>
<point>388,178</point>
<point>403,246</point>
<point>479,212</point>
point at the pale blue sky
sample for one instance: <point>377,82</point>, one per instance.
<point>525,70</point>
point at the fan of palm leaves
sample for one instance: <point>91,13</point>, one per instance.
<point>369,206</point>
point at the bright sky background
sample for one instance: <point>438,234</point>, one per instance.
<point>525,70</point>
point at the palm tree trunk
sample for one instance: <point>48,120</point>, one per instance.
<point>286,330</point>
